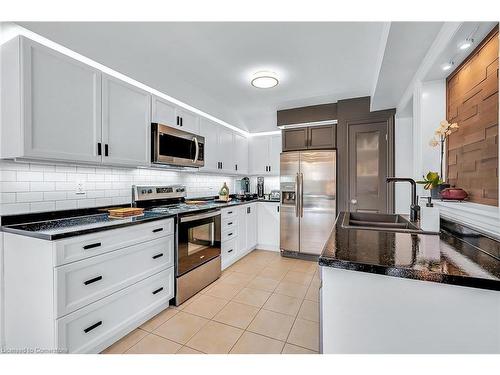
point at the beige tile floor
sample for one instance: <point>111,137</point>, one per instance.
<point>262,304</point>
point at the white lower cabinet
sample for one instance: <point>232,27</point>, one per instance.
<point>96,326</point>
<point>81,294</point>
<point>268,226</point>
<point>239,232</point>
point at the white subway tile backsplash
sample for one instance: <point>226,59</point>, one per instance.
<point>54,195</point>
<point>29,197</point>
<point>39,187</point>
<point>14,187</point>
<point>66,205</point>
<point>42,186</point>
<point>8,176</point>
<point>29,176</point>
<point>42,206</point>
<point>7,197</point>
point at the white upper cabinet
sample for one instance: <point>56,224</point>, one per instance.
<point>188,121</point>
<point>167,113</point>
<point>208,129</point>
<point>265,155</point>
<point>52,104</point>
<point>240,154</point>
<point>163,112</point>
<point>225,150</point>
<point>126,121</point>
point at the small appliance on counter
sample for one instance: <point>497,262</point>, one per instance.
<point>243,186</point>
<point>260,187</point>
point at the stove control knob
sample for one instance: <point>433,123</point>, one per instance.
<point>143,191</point>
<point>150,191</point>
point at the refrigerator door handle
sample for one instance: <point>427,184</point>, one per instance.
<point>297,194</point>
<point>301,195</point>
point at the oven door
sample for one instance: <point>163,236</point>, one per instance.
<point>198,240</point>
<point>176,147</point>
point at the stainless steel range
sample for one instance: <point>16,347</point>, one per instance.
<point>198,245</point>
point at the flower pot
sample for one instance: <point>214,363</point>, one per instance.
<point>436,192</point>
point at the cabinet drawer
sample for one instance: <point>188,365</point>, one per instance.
<point>229,234</point>
<point>81,283</point>
<point>228,224</point>
<point>86,246</point>
<point>85,330</point>
<point>228,213</point>
<point>229,250</point>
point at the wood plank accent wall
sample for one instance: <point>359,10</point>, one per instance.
<point>472,102</point>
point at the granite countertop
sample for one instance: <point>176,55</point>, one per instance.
<point>443,258</point>
<point>78,225</point>
<point>78,222</point>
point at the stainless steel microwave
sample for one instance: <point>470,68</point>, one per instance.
<point>171,146</point>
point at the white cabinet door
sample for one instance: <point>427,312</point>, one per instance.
<point>240,154</point>
<point>242,229</point>
<point>225,149</point>
<point>209,129</point>
<point>163,111</point>
<point>274,154</point>
<point>61,105</point>
<point>126,123</point>
<point>251,226</point>
<point>268,226</point>
<point>188,121</point>
<point>259,155</point>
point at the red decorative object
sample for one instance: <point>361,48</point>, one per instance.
<point>456,194</point>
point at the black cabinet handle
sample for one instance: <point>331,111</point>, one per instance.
<point>95,325</point>
<point>248,210</point>
<point>177,120</point>
<point>91,246</point>
<point>269,168</point>
<point>229,212</point>
<point>230,223</point>
<point>99,149</point>
<point>93,280</point>
<point>106,150</point>
<point>158,290</point>
<point>236,167</point>
<point>278,208</point>
<point>157,230</point>
<point>157,256</point>
<point>181,121</point>
<point>229,251</point>
<point>229,234</point>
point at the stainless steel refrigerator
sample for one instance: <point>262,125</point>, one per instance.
<point>308,200</point>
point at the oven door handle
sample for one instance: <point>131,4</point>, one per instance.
<point>197,149</point>
<point>185,219</point>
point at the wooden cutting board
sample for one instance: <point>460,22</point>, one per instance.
<point>126,212</point>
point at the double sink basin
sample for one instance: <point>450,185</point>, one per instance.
<point>381,222</point>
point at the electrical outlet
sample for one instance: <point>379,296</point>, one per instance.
<point>80,189</point>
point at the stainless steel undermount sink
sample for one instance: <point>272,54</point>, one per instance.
<point>380,222</point>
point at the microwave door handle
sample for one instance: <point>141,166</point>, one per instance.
<point>197,149</point>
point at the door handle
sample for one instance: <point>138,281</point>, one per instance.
<point>301,195</point>
<point>197,149</point>
<point>297,194</point>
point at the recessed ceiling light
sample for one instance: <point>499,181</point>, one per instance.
<point>447,66</point>
<point>465,44</point>
<point>264,80</point>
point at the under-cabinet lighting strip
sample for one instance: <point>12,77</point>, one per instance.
<point>11,30</point>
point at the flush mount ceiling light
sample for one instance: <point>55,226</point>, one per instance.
<point>465,44</point>
<point>264,80</point>
<point>447,66</point>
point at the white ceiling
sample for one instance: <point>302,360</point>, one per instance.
<point>208,65</point>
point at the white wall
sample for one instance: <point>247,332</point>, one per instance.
<point>26,187</point>
<point>429,109</point>
<point>403,162</point>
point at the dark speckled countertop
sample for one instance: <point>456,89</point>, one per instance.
<point>443,258</point>
<point>78,222</point>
